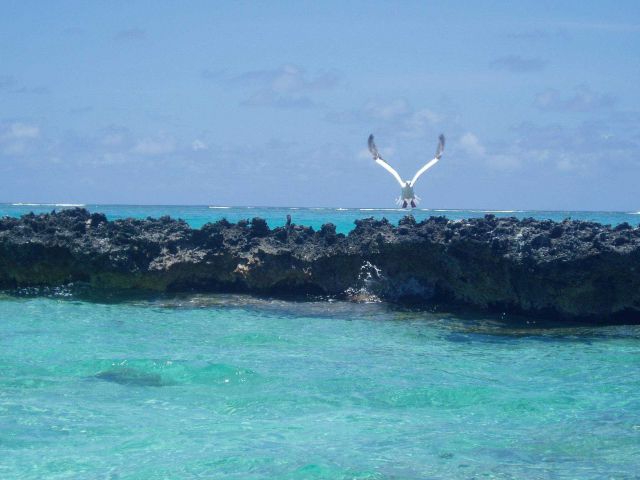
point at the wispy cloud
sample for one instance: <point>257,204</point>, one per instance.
<point>198,145</point>
<point>288,86</point>
<point>518,64</point>
<point>615,27</point>
<point>582,100</point>
<point>470,144</point>
<point>18,130</point>
<point>10,84</point>
<point>16,138</point>
<point>37,90</point>
<point>387,110</point>
<point>288,79</point>
<point>155,146</point>
<point>590,147</point>
<point>539,34</point>
<point>6,82</point>
<point>397,115</point>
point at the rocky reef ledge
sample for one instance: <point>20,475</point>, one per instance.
<point>570,270</point>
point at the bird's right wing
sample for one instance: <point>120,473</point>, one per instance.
<point>431,163</point>
<point>376,156</point>
<point>440,149</point>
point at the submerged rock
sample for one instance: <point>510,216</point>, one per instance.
<point>571,270</point>
<point>132,377</point>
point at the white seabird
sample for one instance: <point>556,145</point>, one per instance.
<point>407,196</point>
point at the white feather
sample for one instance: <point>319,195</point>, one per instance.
<point>390,169</point>
<point>422,170</point>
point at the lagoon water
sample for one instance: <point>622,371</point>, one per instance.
<point>234,386</point>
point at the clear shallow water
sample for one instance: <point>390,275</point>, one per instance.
<point>343,218</point>
<point>229,386</point>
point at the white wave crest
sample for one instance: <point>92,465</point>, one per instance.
<point>20,204</point>
<point>497,211</point>
<point>381,209</point>
<point>216,207</point>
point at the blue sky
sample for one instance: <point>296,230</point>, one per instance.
<point>271,103</point>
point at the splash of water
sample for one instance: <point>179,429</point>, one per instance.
<point>369,280</point>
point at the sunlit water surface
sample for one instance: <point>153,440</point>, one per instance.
<point>231,386</point>
<point>238,387</point>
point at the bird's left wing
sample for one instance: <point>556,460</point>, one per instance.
<point>390,169</point>
<point>376,156</point>
<point>431,163</point>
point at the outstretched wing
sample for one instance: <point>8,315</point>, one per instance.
<point>440,149</point>
<point>431,163</point>
<point>390,169</point>
<point>372,147</point>
<point>376,156</point>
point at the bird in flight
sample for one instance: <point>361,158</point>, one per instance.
<point>407,197</point>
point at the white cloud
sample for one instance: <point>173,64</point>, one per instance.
<point>16,138</point>
<point>161,145</point>
<point>15,131</point>
<point>470,143</point>
<point>396,116</point>
<point>420,121</point>
<point>287,86</point>
<point>518,64</point>
<point>269,98</point>
<point>502,160</point>
<point>287,79</point>
<point>115,137</point>
<point>387,111</point>
<point>198,145</point>
<point>583,100</point>
<point>566,164</point>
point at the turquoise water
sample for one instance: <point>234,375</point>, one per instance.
<point>343,218</point>
<point>239,387</point>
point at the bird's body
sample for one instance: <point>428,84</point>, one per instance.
<point>407,196</point>
<point>407,192</point>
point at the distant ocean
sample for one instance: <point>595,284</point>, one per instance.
<point>240,387</point>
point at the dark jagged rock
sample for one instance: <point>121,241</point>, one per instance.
<point>571,270</point>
